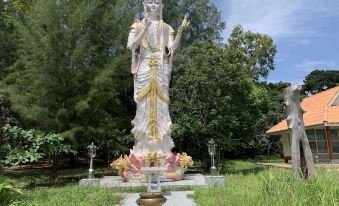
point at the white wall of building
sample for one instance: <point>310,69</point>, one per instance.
<point>286,144</point>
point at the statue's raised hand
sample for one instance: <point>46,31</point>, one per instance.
<point>148,22</point>
<point>184,25</point>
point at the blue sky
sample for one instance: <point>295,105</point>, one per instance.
<point>306,32</point>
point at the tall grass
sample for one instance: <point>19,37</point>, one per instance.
<point>271,187</point>
<point>71,195</point>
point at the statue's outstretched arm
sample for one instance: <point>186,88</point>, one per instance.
<point>184,26</point>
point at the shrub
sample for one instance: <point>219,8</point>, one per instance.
<point>8,194</point>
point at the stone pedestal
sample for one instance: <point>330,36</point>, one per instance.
<point>153,172</point>
<point>130,167</point>
<point>89,182</point>
<point>211,180</point>
<point>190,181</point>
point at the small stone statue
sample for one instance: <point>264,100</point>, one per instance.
<point>302,160</point>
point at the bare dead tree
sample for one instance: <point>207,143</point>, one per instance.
<point>302,160</point>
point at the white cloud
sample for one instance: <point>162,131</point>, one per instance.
<point>309,65</point>
<point>279,18</point>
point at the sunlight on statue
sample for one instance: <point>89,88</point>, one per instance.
<point>153,44</point>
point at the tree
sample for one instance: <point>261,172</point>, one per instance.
<point>8,36</point>
<point>320,80</point>
<point>8,48</point>
<point>216,94</point>
<point>254,51</point>
<point>27,146</point>
<point>205,18</point>
<point>72,75</point>
<point>214,98</point>
<point>263,144</point>
<point>302,159</point>
<point>72,68</point>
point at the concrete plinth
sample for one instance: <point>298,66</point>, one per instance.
<point>190,181</point>
<point>211,180</point>
<point>89,182</point>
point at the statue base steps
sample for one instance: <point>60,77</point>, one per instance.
<point>189,181</point>
<point>215,179</point>
<point>90,182</point>
<point>130,167</point>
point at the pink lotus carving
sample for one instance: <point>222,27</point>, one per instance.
<point>136,163</point>
<point>172,161</point>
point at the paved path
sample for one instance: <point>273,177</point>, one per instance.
<point>276,165</point>
<point>327,167</point>
<point>182,198</point>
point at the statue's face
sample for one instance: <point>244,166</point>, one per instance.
<point>153,5</point>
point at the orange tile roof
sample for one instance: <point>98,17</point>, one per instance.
<point>317,110</point>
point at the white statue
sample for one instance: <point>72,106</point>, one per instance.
<point>153,43</point>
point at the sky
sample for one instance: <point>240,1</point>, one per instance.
<point>306,32</point>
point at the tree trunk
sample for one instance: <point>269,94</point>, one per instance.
<point>107,158</point>
<point>54,168</point>
<point>49,160</point>
<point>73,160</point>
<point>302,160</point>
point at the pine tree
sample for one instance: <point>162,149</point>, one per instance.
<point>72,75</point>
<point>72,67</point>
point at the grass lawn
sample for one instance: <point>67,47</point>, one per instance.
<point>246,184</point>
<point>71,195</point>
<point>40,177</point>
<point>250,184</point>
<point>38,191</point>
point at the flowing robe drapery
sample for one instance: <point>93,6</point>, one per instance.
<point>151,68</point>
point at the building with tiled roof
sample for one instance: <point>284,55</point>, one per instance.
<point>321,119</point>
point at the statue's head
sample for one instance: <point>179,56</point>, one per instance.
<point>153,6</point>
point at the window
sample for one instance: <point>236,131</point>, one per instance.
<point>310,134</point>
<point>334,134</point>
<point>317,140</point>
<point>320,133</point>
<point>321,141</point>
<point>322,147</point>
<point>312,140</point>
<point>335,140</point>
<point>335,146</point>
<point>313,146</point>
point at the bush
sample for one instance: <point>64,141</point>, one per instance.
<point>8,194</point>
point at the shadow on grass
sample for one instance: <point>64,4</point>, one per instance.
<point>241,167</point>
<point>33,178</point>
<point>248,166</point>
<point>244,166</point>
<point>27,179</point>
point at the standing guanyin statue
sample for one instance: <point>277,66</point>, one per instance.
<point>153,44</point>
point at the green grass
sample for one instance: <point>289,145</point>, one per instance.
<point>40,177</point>
<point>71,195</point>
<point>39,191</point>
<point>250,184</point>
<point>246,184</point>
